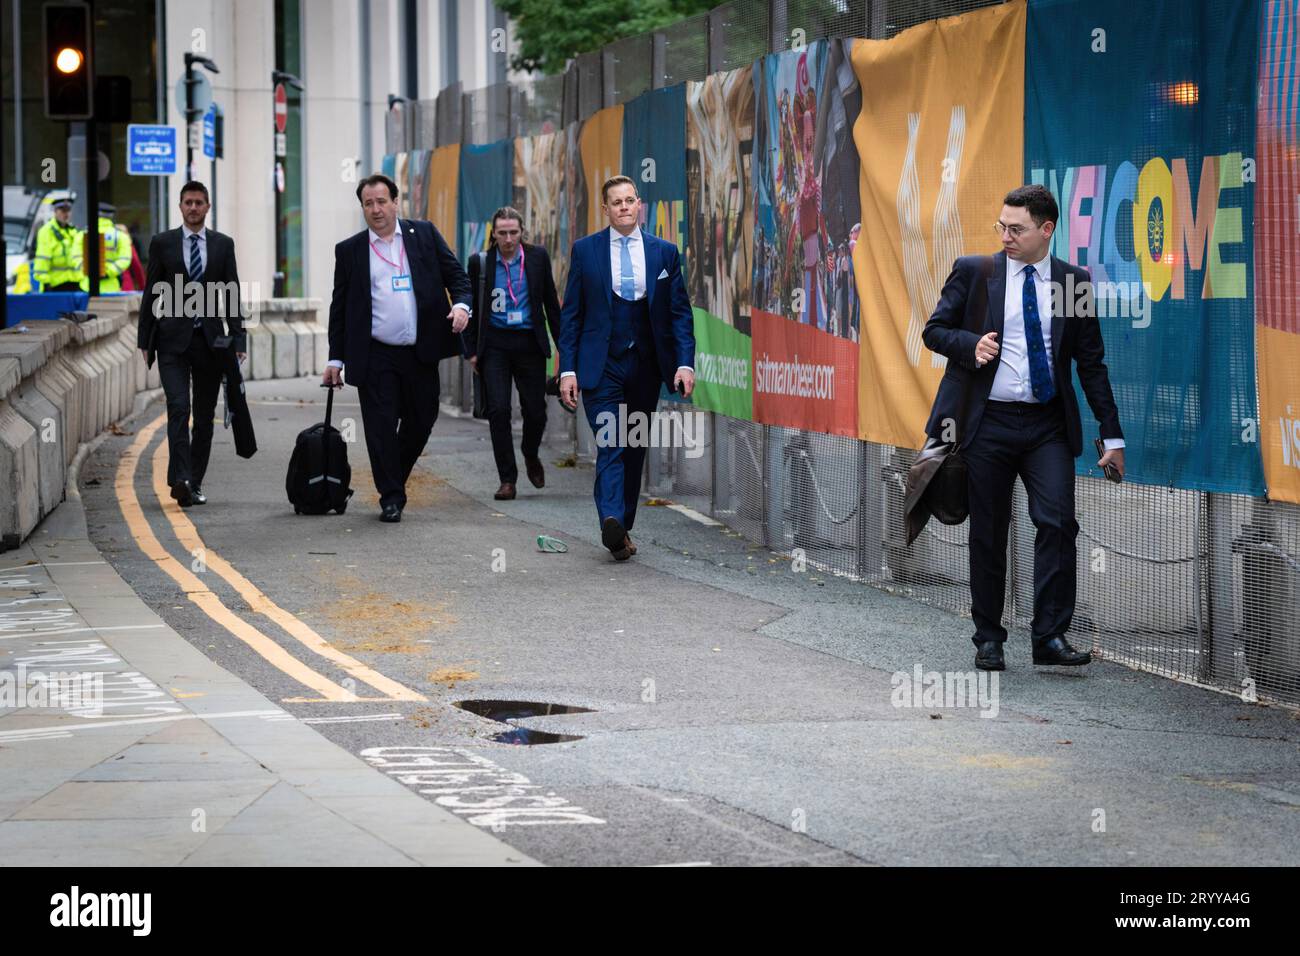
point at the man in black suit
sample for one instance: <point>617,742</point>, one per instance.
<point>392,282</point>
<point>515,302</point>
<point>191,286</point>
<point>1010,326</point>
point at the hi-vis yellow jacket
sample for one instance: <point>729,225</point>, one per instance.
<point>58,255</point>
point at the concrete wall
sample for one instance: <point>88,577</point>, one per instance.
<point>62,383</point>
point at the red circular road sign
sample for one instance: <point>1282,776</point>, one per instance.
<point>281,108</point>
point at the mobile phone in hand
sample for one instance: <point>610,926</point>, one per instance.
<point>1112,473</point>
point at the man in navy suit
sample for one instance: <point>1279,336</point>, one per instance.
<point>626,328</point>
<point>392,282</point>
<point>1007,398</point>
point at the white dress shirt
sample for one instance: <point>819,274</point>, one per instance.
<point>392,313</point>
<point>1011,381</point>
<point>187,244</point>
<point>636,251</point>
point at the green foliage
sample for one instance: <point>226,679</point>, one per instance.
<point>552,31</point>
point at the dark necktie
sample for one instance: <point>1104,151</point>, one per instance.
<point>1040,372</point>
<point>196,270</point>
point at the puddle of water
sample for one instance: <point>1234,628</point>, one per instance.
<point>508,711</point>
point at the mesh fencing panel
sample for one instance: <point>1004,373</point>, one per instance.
<point>686,50</point>
<point>632,71</point>
<point>1190,585</point>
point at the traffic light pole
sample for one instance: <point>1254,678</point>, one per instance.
<point>189,119</point>
<point>92,204</point>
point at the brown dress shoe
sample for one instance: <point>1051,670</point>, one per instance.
<point>506,492</point>
<point>536,473</point>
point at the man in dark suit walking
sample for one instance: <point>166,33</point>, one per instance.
<point>1008,400</point>
<point>515,302</point>
<point>389,327</point>
<point>191,286</point>
<point>626,328</point>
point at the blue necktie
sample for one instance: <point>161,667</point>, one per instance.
<point>196,270</point>
<point>627,279</point>
<point>1040,372</point>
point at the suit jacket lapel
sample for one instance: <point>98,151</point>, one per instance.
<point>651,268</point>
<point>997,290</point>
<point>603,253</point>
<point>1058,321</point>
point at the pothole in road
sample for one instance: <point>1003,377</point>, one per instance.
<point>508,711</point>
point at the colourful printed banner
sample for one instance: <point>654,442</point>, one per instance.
<point>1142,127</point>
<point>720,232</point>
<point>1277,249</point>
<point>540,186</point>
<point>654,155</point>
<point>601,147</point>
<point>806,184</point>
<point>723,363</point>
<point>804,377</point>
<point>940,139</point>
<point>440,204</point>
<point>486,184</point>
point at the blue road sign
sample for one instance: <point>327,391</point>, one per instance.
<point>151,150</point>
<point>210,132</point>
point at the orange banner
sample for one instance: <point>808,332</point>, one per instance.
<point>601,147</point>
<point>941,139</point>
<point>440,190</point>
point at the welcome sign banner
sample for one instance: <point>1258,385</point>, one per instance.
<point>940,139</point>
<point>1143,127</point>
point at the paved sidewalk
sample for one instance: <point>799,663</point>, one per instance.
<point>187,764</point>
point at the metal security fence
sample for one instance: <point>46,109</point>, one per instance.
<point>1194,586</point>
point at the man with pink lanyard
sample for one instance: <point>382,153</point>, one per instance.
<point>389,327</point>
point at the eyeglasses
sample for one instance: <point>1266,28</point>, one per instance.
<point>1014,231</point>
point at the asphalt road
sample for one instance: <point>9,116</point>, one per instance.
<point>740,711</point>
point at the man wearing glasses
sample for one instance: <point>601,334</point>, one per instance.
<point>1007,399</point>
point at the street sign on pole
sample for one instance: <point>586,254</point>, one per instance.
<point>210,132</point>
<point>281,108</point>
<point>201,98</point>
<point>150,150</point>
<point>281,145</point>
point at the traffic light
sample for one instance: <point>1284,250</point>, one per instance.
<point>69,67</point>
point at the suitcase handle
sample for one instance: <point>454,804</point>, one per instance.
<point>329,403</point>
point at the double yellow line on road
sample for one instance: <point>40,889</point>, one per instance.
<point>210,602</point>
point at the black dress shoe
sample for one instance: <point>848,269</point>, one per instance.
<point>199,498</point>
<point>536,473</point>
<point>391,513</point>
<point>1057,650</point>
<point>183,494</point>
<point>989,657</point>
<point>614,537</point>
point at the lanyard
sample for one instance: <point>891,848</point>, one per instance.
<point>509,284</point>
<point>401,258</point>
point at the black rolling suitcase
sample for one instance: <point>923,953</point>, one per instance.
<point>319,473</point>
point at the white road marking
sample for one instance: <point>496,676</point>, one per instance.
<point>351,719</point>
<point>473,786</point>
<point>695,515</point>
<point>66,729</point>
